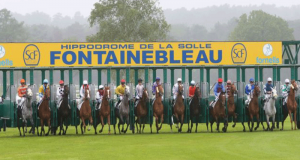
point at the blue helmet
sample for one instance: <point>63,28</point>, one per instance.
<point>157,78</point>
<point>45,81</point>
<point>251,80</point>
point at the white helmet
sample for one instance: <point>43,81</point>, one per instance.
<point>101,87</point>
<point>85,82</point>
<point>179,79</point>
<point>269,79</point>
<point>287,81</point>
<point>192,82</point>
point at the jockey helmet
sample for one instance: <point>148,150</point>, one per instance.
<point>192,82</point>
<point>61,82</point>
<point>179,80</point>
<point>22,81</point>
<point>287,81</point>
<point>45,81</point>
<point>228,81</point>
<point>269,79</point>
<point>220,80</point>
<point>85,82</point>
<point>157,78</point>
<point>140,80</point>
<point>101,87</point>
<point>123,81</point>
<point>251,80</point>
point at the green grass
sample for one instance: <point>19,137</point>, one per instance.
<point>234,144</point>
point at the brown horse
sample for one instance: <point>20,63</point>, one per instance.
<point>194,109</point>
<point>104,111</point>
<point>179,108</point>
<point>44,113</point>
<point>141,112</point>
<point>218,112</point>
<point>85,110</point>
<point>230,103</point>
<point>253,109</point>
<point>158,107</point>
<point>292,105</point>
<point>64,111</point>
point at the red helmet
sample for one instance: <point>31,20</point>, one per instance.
<point>22,81</point>
<point>123,81</point>
<point>220,80</point>
<point>61,82</point>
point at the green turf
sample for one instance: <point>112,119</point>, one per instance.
<point>234,144</point>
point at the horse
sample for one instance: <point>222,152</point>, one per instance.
<point>253,109</point>
<point>104,111</point>
<point>218,112</point>
<point>158,107</point>
<point>179,108</point>
<point>231,105</point>
<point>64,111</point>
<point>44,113</point>
<point>141,112</point>
<point>291,105</point>
<point>26,113</point>
<point>270,109</point>
<point>85,111</point>
<point>123,111</point>
<point>194,109</point>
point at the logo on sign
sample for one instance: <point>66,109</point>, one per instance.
<point>31,55</point>
<point>239,53</point>
<point>2,51</point>
<point>268,49</point>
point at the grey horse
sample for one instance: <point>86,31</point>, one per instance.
<point>123,112</point>
<point>270,109</point>
<point>26,113</point>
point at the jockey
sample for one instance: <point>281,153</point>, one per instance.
<point>120,90</point>
<point>139,91</point>
<point>285,91</point>
<point>192,89</point>
<point>175,90</point>
<point>217,90</point>
<point>155,84</point>
<point>42,90</point>
<point>268,89</point>
<point>82,93</point>
<point>248,90</point>
<point>228,87</point>
<point>59,92</point>
<point>99,95</point>
<point>21,93</point>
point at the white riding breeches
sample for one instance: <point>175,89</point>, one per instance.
<point>20,100</point>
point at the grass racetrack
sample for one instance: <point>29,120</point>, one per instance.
<point>234,144</point>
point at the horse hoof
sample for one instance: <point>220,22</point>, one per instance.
<point>244,130</point>
<point>46,134</point>
<point>250,130</point>
<point>59,133</point>
<point>88,129</point>
<point>255,128</point>
<point>233,126</point>
<point>281,129</point>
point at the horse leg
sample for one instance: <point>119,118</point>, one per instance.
<point>211,124</point>
<point>162,121</point>
<point>42,127</point>
<point>197,119</point>
<point>176,116</point>
<point>136,124</point>
<point>119,125</point>
<point>295,119</point>
<point>244,130</point>
<point>49,127</point>
<point>218,124</point>
<point>83,125</point>
<point>108,122</point>
<point>61,125</point>
<point>268,123</point>
<point>235,119</point>
<point>144,124</point>
<point>32,123</point>
<point>23,127</point>
<point>192,127</point>
<point>290,114</point>
<point>156,120</point>
<point>252,122</point>
<point>188,131</point>
<point>182,118</point>
<point>258,121</point>
<point>18,119</point>
<point>102,124</point>
<point>127,122</point>
<point>140,121</point>
<point>273,123</point>
<point>91,123</point>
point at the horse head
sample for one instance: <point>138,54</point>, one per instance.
<point>159,91</point>
<point>197,92</point>
<point>29,93</point>
<point>274,93</point>
<point>66,90</point>
<point>222,98</point>
<point>106,93</point>
<point>233,89</point>
<point>180,89</point>
<point>47,94</point>
<point>294,85</point>
<point>86,94</point>
<point>145,94</point>
<point>256,91</point>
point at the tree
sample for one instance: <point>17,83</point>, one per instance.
<point>128,20</point>
<point>10,29</point>
<point>260,26</point>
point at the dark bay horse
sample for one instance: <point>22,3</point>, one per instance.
<point>85,111</point>
<point>158,107</point>
<point>179,107</point>
<point>218,112</point>
<point>253,109</point>
<point>26,112</point>
<point>291,105</point>
<point>104,111</point>
<point>64,112</point>
<point>230,104</point>
<point>45,113</point>
<point>141,111</point>
<point>194,109</point>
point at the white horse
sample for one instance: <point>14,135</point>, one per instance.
<point>270,109</point>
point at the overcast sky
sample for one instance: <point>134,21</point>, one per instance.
<point>69,7</point>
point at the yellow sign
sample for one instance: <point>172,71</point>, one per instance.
<point>139,54</point>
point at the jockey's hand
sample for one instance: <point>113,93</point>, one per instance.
<point>24,95</point>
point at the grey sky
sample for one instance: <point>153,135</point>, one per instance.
<point>69,7</point>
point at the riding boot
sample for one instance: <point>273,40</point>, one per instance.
<point>97,106</point>
<point>19,107</point>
